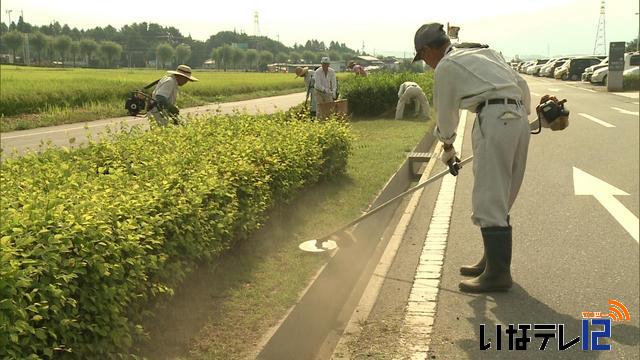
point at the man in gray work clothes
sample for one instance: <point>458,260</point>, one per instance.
<point>166,93</point>
<point>479,80</point>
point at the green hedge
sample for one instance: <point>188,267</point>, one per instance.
<point>631,82</point>
<point>377,93</point>
<point>90,236</point>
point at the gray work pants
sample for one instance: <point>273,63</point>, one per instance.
<point>500,142</point>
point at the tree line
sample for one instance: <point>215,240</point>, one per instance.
<point>144,44</point>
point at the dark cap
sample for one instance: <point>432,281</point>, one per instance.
<point>428,34</point>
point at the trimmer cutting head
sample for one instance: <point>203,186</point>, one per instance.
<point>315,246</point>
<point>343,238</point>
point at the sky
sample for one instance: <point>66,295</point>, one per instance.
<point>514,27</point>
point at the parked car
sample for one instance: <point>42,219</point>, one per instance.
<point>523,66</point>
<point>535,68</point>
<point>633,71</point>
<point>548,68</point>
<point>588,72</point>
<point>575,67</point>
<point>631,60</point>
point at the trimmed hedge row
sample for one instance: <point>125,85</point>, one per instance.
<point>89,236</point>
<point>631,82</point>
<point>378,93</point>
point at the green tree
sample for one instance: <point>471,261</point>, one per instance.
<point>39,42</point>
<point>266,57</point>
<point>227,56</point>
<point>308,56</point>
<point>238,56</point>
<point>164,53</point>
<point>295,57</point>
<point>216,55</point>
<point>335,56</point>
<point>252,56</point>
<point>74,50</point>
<point>632,45</point>
<point>88,48</point>
<point>110,51</point>
<point>13,40</point>
<point>282,57</point>
<point>183,52</point>
<point>62,44</point>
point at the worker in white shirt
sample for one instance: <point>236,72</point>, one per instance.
<point>325,83</point>
<point>411,92</point>
<point>479,80</point>
<point>307,75</point>
<point>166,92</point>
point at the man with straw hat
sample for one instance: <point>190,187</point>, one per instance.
<point>325,82</point>
<point>308,84</point>
<point>166,92</point>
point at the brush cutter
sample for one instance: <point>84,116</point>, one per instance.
<point>548,111</point>
<point>139,100</point>
<point>325,243</point>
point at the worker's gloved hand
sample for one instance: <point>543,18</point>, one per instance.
<point>448,154</point>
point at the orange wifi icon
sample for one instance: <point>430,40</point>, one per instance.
<point>618,312</point>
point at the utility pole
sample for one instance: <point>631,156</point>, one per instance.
<point>9,14</point>
<point>638,38</point>
<point>256,24</point>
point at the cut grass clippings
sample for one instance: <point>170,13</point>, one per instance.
<point>223,311</point>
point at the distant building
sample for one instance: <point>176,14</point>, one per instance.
<point>365,61</point>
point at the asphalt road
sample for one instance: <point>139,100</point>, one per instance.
<point>570,254</point>
<point>71,135</point>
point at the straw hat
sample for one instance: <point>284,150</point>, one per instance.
<point>300,71</point>
<point>185,71</point>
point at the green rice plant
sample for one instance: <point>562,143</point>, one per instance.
<point>33,90</point>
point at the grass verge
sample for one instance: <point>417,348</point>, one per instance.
<point>222,311</point>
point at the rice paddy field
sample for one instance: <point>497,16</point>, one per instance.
<point>34,97</point>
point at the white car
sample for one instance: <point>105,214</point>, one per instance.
<point>588,72</point>
<point>633,71</point>
<point>631,60</point>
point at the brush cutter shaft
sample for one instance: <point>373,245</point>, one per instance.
<point>399,196</point>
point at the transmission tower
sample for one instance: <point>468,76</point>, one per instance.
<point>600,45</point>
<point>256,24</point>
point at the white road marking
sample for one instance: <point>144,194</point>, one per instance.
<point>535,94</point>
<point>596,120</point>
<point>578,87</point>
<point>623,111</point>
<point>421,308</point>
<point>553,89</point>
<point>631,95</point>
<point>586,184</point>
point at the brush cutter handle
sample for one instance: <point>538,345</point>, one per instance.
<point>400,196</point>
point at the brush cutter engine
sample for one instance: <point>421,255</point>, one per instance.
<point>137,102</point>
<point>140,101</point>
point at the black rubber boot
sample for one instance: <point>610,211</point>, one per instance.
<point>478,268</point>
<point>473,270</point>
<point>497,273</point>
